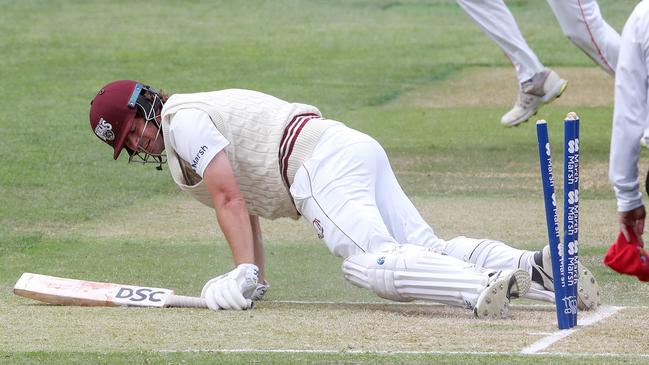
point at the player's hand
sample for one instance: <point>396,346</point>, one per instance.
<point>260,291</point>
<point>232,290</point>
<point>633,220</point>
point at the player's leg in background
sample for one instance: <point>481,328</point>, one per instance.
<point>538,85</point>
<point>497,22</point>
<point>582,22</point>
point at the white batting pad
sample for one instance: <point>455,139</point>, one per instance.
<point>413,272</point>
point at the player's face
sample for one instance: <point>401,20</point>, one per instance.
<point>145,137</point>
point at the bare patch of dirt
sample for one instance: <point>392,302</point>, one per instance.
<point>520,223</point>
<point>497,86</point>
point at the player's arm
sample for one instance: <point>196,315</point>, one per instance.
<point>234,289</point>
<point>195,138</point>
<point>258,243</point>
<point>230,206</point>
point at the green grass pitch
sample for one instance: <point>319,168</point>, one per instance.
<point>419,76</point>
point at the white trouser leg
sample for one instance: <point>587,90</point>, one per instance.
<point>413,272</point>
<point>485,253</point>
<point>335,192</point>
<point>495,19</point>
<point>582,22</point>
<point>400,215</point>
<point>348,192</point>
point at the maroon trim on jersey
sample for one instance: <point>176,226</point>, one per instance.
<point>291,132</point>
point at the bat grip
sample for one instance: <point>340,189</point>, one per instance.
<point>186,302</point>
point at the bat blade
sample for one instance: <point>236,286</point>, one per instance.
<point>64,291</point>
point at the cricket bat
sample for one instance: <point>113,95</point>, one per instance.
<point>55,290</point>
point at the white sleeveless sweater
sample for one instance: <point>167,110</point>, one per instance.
<point>255,124</point>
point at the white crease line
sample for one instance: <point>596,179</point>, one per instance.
<point>424,304</point>
<point>390,303</point>
<point>342,351</point>
<point>345,303</point>
<point>589,320</point>
<point>400,352</point>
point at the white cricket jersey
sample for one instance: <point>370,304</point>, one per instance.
<point>631,113</point>
<point>195,138</point>
<point>256,125</point>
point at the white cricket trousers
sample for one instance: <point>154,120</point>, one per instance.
<point>348,192</point>
<point>580,20</point>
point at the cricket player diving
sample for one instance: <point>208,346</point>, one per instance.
<point>248,155</point>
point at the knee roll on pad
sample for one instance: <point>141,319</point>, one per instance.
<point>416,273</point>
<point>374,272</point>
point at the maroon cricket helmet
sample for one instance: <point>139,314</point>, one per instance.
<point>114,108</point>
<point>111,116</point>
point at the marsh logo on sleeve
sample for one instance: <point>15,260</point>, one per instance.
<point>197,158</point>
<point>319,230</point>
<point>104,130</point>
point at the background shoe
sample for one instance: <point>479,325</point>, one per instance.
<point>493,302</point>
<point>542,88</point>
<point>542,287</point>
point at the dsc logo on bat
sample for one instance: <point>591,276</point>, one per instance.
<point>141,294</point>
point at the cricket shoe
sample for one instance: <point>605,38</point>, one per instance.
<point>493,302</point>
<point>542,88</point>
<point>543,285</point>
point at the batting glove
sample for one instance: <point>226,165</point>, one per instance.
<point>260,291</point>
<point>233,290</point>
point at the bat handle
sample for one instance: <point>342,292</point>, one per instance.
<point>186,302</point>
